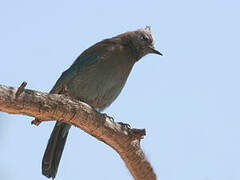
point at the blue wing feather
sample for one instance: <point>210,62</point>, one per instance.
<point>70,73</point>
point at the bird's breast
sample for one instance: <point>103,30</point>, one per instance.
<point>99,84</point>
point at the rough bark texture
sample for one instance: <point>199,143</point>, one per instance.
<point>125,140</point>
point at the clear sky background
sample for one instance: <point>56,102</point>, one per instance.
<point>188,100</point>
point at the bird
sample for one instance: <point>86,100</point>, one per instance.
<point>96,77</point>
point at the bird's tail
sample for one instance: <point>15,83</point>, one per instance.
<point>54,149</point>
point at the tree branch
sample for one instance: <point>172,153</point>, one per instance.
<point>48,107</point>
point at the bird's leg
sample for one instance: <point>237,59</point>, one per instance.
<point>65,90</point>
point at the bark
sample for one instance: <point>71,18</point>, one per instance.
<point>48,107</point>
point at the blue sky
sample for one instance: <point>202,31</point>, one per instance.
<point>188,100</point>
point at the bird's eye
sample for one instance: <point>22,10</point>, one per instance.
<point>145,38</point>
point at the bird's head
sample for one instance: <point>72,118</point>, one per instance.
<point>143,42</point>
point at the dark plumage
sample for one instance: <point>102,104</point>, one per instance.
<point>96,77</point>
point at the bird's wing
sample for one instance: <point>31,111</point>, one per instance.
<point>88,57</point>
<point>65,78</point>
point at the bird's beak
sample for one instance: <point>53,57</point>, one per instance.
<point>154,51</point>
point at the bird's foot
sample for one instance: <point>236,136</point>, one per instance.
<point>124,125</point>
<point>65,91</point>
<point>106,116</point>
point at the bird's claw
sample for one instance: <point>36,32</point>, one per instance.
<point>109,117</point>
<point>125,125</point>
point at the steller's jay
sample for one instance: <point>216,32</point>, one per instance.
<point>96,77</point>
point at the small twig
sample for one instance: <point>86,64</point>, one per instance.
<point>20,89</point>
<point>36,122</point>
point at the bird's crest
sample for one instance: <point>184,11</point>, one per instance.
<point>148,28</point>
<point>148,32</point>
